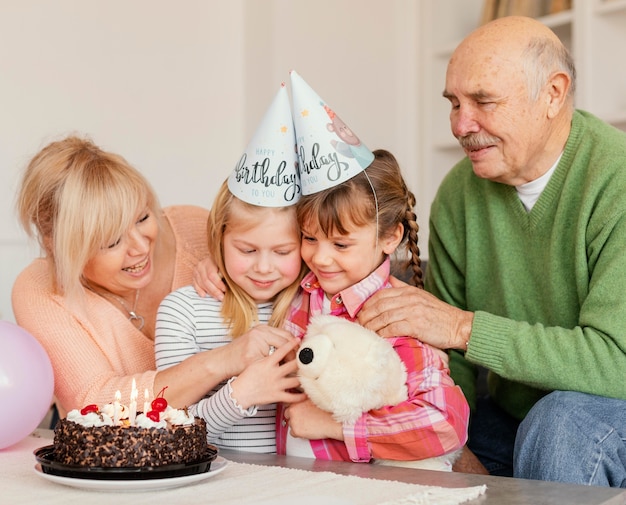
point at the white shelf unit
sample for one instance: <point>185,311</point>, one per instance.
<point>593,30</point>
<point>599,48</point>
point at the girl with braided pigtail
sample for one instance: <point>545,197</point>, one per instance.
<point>349,232</point>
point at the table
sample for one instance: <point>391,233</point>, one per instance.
<point>500,490</point>
<point>19,483</point>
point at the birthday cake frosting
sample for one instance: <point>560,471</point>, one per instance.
<point>115,437</point>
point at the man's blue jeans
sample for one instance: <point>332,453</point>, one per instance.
<point>573,437</point>
<point>492,437</point>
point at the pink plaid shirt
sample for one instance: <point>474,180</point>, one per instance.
<point>431,422</point>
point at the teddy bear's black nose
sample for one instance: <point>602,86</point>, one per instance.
<point>305,355</point>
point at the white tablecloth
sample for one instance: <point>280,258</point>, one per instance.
<point>237,484</point>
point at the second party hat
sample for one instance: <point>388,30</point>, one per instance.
<point>329,152</point>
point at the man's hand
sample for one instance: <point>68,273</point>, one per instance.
<point>407,310</point>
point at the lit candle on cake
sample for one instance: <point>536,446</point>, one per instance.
<point>146,403</point>
<point>116,408</point>
<point>133,404</point>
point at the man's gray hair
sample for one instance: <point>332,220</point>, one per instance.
<point>542,58</point>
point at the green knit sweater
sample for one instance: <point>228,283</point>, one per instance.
<point>548,287</point>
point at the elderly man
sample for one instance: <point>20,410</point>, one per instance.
<point>527,263</point>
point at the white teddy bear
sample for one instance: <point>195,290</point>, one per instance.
<point>346,369</point>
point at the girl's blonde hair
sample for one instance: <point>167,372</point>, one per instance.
<point>353,203</point>
<point>239,310</point>
<point>77,199</point>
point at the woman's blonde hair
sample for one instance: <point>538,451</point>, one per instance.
<point>76,199</point>
<point>239,310</point>
<point>377,196</point>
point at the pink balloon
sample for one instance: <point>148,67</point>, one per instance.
<point>26,383</point>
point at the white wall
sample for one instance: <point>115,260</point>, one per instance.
<point>178,87</point>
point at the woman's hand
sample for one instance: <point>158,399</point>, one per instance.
<point>207,279</point>
<point>254,345</point>
<point>269,380</point>
<point>410,311</point>
<point>308,421</point>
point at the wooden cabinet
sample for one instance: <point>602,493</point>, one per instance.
<point>593,30</point>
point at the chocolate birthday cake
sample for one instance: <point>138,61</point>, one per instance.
<point>98,438</point>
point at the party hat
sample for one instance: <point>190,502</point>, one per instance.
<point>267,172</point>
<point>329,152</point>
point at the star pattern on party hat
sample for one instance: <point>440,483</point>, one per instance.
<point>329,152</point>
<point>267,172</point>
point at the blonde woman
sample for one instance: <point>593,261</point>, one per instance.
<point>110,254</point>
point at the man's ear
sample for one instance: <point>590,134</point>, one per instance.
<point>557,94</point>
<point>391,242</point>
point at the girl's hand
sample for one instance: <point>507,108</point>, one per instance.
<point>308,421</point>
<point>269,380</point>
<point>207,279</point>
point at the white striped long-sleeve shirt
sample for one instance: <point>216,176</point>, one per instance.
<point>188,324</point>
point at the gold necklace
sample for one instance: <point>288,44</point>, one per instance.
<point>137,320</point>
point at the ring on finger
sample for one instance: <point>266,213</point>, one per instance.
<point>271,351</point>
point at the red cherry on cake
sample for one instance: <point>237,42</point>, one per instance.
<point>159,403</point>
<point>89,408</point>
<point>154,416</point>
